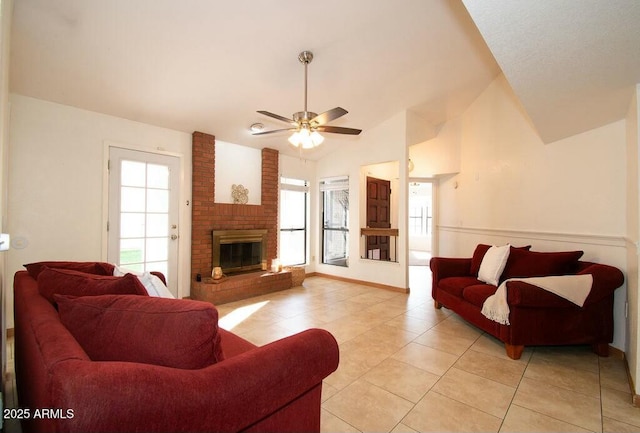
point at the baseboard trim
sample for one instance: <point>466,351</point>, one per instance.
<point>364,283</point>
<point>635,398</point>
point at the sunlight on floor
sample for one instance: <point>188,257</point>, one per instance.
<point>231,320</point>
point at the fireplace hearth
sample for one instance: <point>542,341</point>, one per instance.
<point>238,251</point>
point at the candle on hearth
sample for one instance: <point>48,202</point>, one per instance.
<point>275,265</point>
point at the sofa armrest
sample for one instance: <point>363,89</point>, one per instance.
<point>445,267</point>
<point>231,395</point>
<point>606,279</point>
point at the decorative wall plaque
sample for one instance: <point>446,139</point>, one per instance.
<point>240,194</point>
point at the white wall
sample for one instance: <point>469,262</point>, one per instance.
<point>238,165</point>
<point>6,7</point>
<point>633,236</point>
<point>56,164</point>
<point>384,143</point>
<point>513,188</point>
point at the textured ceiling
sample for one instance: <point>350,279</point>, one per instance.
<point>572,63</point>
<point>208,65</point>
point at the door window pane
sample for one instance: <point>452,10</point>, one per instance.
<point>133,173</point>
<point>157,176</point>
<point>131,199</point>
<point>157,200</point>
<point>293,221</point>
<point>335,221</point>
<point>132,225</point>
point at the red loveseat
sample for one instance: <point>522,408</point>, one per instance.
<point>87,364</point>
<point>536,316</point>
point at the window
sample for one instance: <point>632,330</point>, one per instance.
<point>293,221</point>
<point>335,221</point>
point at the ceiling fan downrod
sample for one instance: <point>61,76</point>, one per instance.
<point>305,58</point>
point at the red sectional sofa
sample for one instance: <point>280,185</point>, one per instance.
<point>128,362</point>
<point>536,316</point>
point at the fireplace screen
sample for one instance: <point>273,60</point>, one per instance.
<point>239,250</point>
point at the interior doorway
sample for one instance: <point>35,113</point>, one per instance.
<point>420,224</point>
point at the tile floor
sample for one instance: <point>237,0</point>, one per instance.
<point>407,367</point>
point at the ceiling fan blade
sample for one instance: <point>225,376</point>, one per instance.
<point>328,116</point>
<point>277,116</point>
<point>271,132</point>
<point>339,130</point>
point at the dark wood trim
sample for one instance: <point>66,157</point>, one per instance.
<point>378,232</point>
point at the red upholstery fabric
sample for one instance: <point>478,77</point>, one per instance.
<point>276,387</point>
<point>98,268</point>
<point>523,263</point>
<point>537,317</point>
<point>455,285</point>
<point>67,282</point>
<point>478,293</point>
<point>176,333</point>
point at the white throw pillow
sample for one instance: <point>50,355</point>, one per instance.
<point>493,264</point>
<point>152,283</point>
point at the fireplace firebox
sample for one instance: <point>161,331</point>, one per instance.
<point>237,251</point>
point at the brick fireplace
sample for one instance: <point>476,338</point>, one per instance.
<point>207,215</point>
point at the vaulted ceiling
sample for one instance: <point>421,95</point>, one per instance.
<point>209,65</point>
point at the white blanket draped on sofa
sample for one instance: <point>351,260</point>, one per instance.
<point>574,288</point>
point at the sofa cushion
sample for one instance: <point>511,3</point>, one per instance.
<point>68,282</point>
<point>481,250</point>
<point>493,264</point>
<point>478,293</point>
<point>455,285</point>
<point>98,268</point>
<point>178,333</point>
<point>522,263</point>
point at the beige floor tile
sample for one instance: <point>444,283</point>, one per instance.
<point>428,359</point>
<point>368,407</point>
<point>401,428</point>
<point>389,335</point>
<point>445,341</point>
<point>437,413</point>
<point>544,369</point>
<point>402,379</point>
<point>457,326</point>
<point>413,324</point>
<point>329,423</point>
<point>520,419</point>
<point>580,357</point>
<point>614,426</point>
<point>345,329</point>
<point>475,391</point>
<point>264,335</point>
<point>494,347</point>
<point>617,405</point>
<point>505,371</point>
<point>328,391</point>
<point>559,403</point>
<point>613,374</point>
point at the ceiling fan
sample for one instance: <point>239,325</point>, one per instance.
<point>306,124</point>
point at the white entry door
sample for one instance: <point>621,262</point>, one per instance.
<point>143,212</point>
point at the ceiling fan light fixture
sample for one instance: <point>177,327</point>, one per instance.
<point>306,138</point>
<point>305,123</point>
